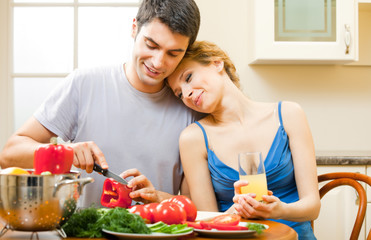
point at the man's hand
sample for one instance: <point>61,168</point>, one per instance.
<point>142,188</point>
<point>86,153</point>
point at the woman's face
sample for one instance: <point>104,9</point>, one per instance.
<point>199,86</point>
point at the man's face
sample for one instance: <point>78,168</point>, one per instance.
<point>157,52</point>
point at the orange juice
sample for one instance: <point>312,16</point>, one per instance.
<point>257,185</point>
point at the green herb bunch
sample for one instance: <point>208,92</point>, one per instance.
<point>121,220</point>
<point>89,222</point>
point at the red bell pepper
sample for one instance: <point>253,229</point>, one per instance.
<point>53,157</point>
<point>115,194</point>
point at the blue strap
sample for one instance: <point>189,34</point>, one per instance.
<point>279,112</point>
<point>205,136</point>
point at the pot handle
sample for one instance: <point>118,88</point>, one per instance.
<point>81,182</point>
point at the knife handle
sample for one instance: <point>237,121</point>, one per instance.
<point>99,169</point>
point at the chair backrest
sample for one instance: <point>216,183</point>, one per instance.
<point>351,179</point>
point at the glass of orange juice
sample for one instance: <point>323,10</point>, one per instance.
<point>251,168</point>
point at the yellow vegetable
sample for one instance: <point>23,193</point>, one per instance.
<point>14,171</point>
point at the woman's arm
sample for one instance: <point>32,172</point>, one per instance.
<point>193,155</point>
<point>302,149</point>
<point>305,167</point>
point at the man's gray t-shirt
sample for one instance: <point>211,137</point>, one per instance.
<point>133,129</point>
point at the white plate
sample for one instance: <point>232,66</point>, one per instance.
<point>145,236</point>
<point>226,233</point>
<point>205,215</point>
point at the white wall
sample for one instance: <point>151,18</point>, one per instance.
<point>336,98</point>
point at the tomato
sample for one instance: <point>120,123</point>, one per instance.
<point>151,207</point>
<point>169,213</point>
<point>142,211</point>
<point>186,204</point>
<point>212,225</point>
<point>227,219</point>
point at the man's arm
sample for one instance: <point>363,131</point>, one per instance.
<point>20,148</point>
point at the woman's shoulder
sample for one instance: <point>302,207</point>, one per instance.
<point>191,133</point>
<point>293,116</point>
<point>290,109</point>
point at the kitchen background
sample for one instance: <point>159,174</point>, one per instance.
<point>335,97</point>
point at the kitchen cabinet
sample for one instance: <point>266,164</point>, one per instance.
<point>339,208</point>
<point>364,36</point>
<point>293,32</point>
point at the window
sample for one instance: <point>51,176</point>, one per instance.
<point>46,39</point>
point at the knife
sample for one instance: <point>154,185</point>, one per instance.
<point>109,174</point>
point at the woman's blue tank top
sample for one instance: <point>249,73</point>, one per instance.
<point>279,169</point>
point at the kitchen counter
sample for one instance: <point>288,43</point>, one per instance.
<point>343,157</point>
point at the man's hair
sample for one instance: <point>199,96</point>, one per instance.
<point>205,53</point>
<point>181,16</point>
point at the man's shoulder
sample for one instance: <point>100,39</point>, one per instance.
<point>95,75</point>
<point>104,69</point>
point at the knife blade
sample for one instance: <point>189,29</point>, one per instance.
<point>107,173</point>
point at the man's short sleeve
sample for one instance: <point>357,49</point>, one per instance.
<point>59,112</point>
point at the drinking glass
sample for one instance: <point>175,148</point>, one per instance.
<point>251,168</point>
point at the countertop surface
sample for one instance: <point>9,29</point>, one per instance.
<point>343,157</point>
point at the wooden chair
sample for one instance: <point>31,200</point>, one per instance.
<point>351,179</point>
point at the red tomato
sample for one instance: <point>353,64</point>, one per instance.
<point>227,219</point>
<point>142,211</point>
<point>186,204</point>
<point>151,207</point>
<point>169,213</point>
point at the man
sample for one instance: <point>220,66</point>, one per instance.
<point>122,116</point>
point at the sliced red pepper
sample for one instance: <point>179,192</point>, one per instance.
<point>212,225</point>
<point>54,158</point>
<point>196,225</point>
<point>227,219</point>
<point>115,194</point>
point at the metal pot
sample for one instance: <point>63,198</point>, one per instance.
<point>39,202</point>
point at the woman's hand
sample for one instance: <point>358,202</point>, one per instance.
<point>247,207</point>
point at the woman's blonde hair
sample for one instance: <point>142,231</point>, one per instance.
<point>205,52</point>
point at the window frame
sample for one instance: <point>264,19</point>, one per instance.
<point>7,74</point>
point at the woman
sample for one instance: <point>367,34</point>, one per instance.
<point>206,81</point>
